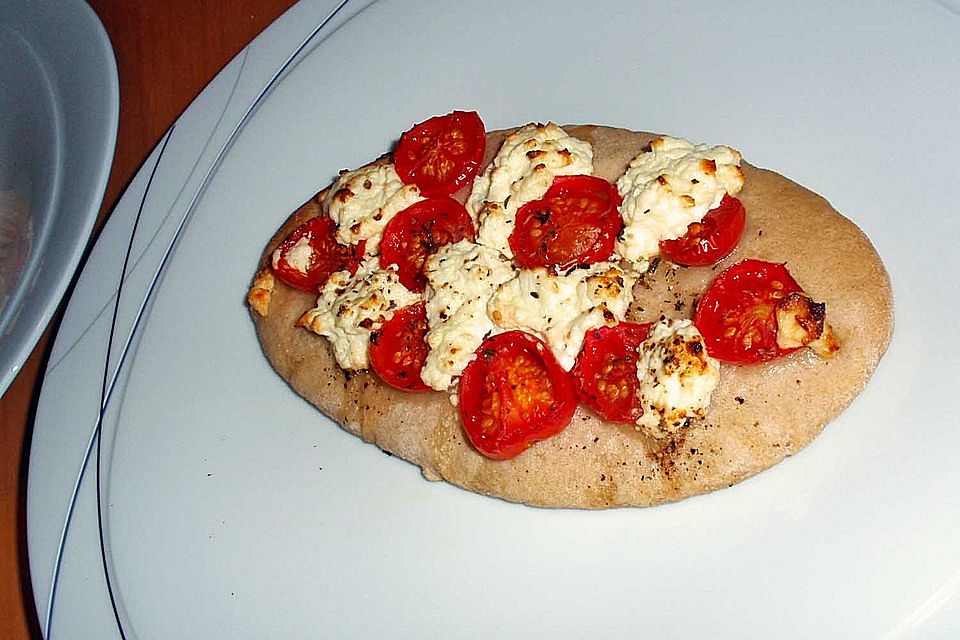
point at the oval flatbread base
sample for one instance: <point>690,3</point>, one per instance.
<point>759,413</point>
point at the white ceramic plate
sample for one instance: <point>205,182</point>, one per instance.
<point>58,126</point>
<point>187,492</point>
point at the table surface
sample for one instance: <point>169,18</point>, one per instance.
<point>187,47</point>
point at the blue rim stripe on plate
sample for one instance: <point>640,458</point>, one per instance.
<point>94,435</point>
<point>107,388</point>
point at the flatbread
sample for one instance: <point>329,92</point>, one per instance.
<point>759,414</point>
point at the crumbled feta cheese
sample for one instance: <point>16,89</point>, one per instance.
<point>561,308</point>
<point>667,188</point>
<point>351,307</point>
<point>461,278</point>
<point>261,291</point>
<point>801,322</point>
<point>298,256</point>
<point>362,202</point>
<point>676,376</point>
<point>521,172</point>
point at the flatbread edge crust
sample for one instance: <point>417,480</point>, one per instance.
<point>759,414</point>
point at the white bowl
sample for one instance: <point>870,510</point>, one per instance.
<point>59,104</point>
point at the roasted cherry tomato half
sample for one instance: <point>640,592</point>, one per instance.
<point>441,154</point>
<point>514,394</point>
<point>738,314</point>
<point>311,253</point>
<point>710,240</point>
<point>576,222</point>
<point>418,231</point>
<point>398,348</point>
<point>606,371</point>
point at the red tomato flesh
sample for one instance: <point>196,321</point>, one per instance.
<point>514,394</point>
<point>417,232</point>
<point>327,255</point>
<point>398,348</point>
<point>737,314</point>
<point>710,240</point>
<point>441,154</point>
<point>576,222</point>
<point>606,371</point>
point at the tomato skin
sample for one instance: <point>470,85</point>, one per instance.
<point>514,394</point>
<point>419,231</point>
<point>710,240</point>
<point>398,348</point>
<point>606,371</point>
<point>737,314</point>
<point>575,222</point>
<point>441,154</point>
<point>329,256</point>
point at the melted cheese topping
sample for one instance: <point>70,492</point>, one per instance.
<point>362,202</point>
<point>351,307</point>
<point>801,322</point>
<point>676,376</point>
<point>561,308</point>
<point>299,255</point>
<point>261,291</point>
<point>521,172</point>
<point>461,278</point>
<point>667,188</point>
